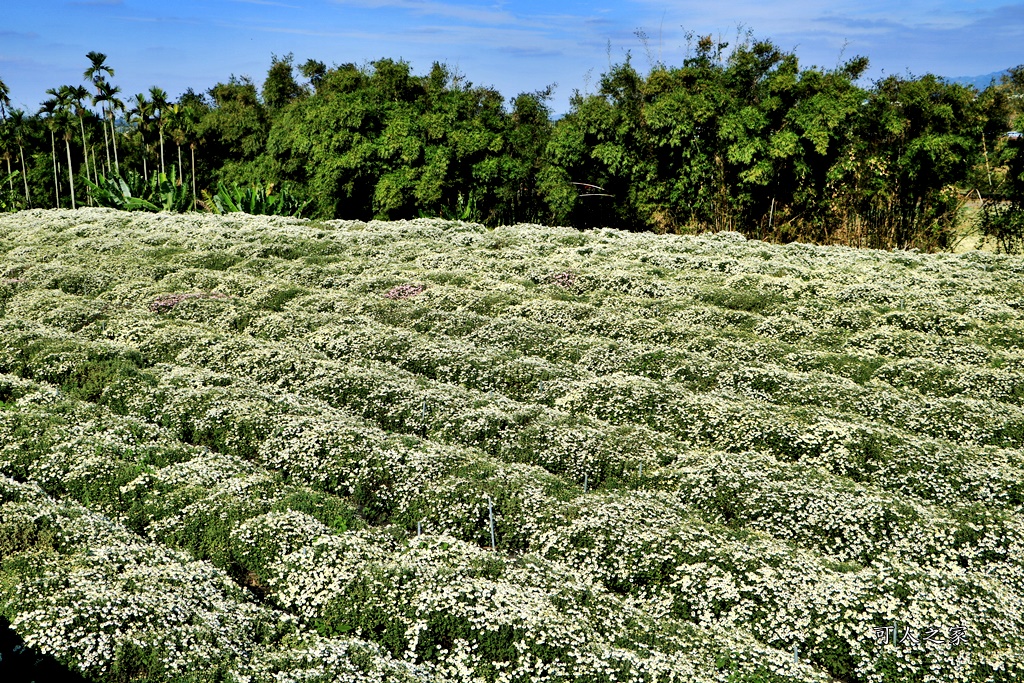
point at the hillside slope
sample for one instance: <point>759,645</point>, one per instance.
<point>260,449</point>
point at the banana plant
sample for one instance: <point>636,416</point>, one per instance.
<point>133,193</point>
<point>9,199</point>
<point>124,193</point>
<point>255,200</point>
<point>172,195</point>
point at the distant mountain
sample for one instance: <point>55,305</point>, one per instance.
<point>979,82</point>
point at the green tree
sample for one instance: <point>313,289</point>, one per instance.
<point>141,114</point>
<point>383,142</point>
<point>280,88</point>
<point>529,131</point>
<point>5,99</point>
<point>651,143</point>
<point>1002,214</point>
<point>914,140</point>
<point>95,75</point>
<point>49,110</point>
<point>742,141</point>
<point>786,131</point>
<point>18,124</point>
<point>76,96</point>
<point>191,109</point>
<point>7,149</point>
<point>313,71</point>
<point>160,107</point>
<point>1014,157</point>
<point>6,133</point>
<point>107,95</point>
<point>235,130</point>
<point>323,144</point>
<point>63,121</point>
<point>176,126</point>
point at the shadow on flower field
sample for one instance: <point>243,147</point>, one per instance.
<point>19,664</point>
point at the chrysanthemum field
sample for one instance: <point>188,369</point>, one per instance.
<point>259,449</point>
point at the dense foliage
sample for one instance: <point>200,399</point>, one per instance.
<point>741,138</point>
<point>1002,216</point>
<point>261,449</point>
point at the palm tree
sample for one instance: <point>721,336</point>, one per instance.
<point>76,96</point>
<point>94,74</point>
<point>160,105</point>
<point>97,68</point>
<point>108,95</point>
<point>6,141</point>
<point>176,123</point>
<point>5,99</point>
<point>142,114</point>
<point>49,108</point>
<point>17,119</point>
<point>65,119</point>
<point>101,99</point>
<point>65,101</point>
<point>189,127</point>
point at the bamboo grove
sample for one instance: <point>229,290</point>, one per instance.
<point>738,138</point>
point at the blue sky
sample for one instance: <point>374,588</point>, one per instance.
<point>512,46</point>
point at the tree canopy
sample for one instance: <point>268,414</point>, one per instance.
<point>739,137</point>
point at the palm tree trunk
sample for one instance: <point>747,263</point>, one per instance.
<point>162,169</point>
<point>113,137</point>
<point>85,151</point>
<point>21,152</point>
<point>180,167</point>
<point>192,147</point>
<point>10,178</point>
<point>106,141</point>
<point>56,182</point>
<point>71,172</point>
<point>145,172</point>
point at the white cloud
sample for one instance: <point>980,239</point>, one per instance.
<point>481,14</point>
<point>266,3</point>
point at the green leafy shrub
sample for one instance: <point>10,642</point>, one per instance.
<point>163,192</point>
<point>255,200</point>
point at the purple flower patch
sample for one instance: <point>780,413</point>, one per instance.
<point>404,291</point>
<point>565,279</point>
